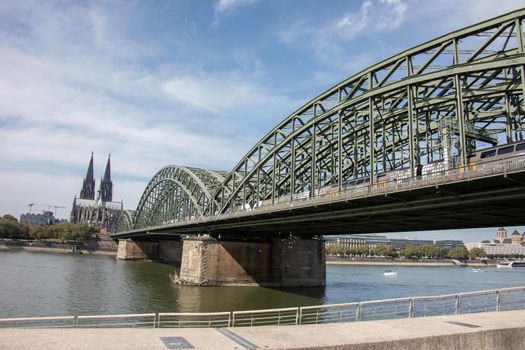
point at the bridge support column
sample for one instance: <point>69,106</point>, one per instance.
<point>137,250</point>
<point>279,262</point>
<point>166,251</point>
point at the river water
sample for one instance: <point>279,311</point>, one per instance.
<point>45,284</point>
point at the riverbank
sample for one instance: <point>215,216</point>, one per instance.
<point>399,262</point>
<point>54,248</point>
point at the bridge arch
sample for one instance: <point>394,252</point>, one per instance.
<point>176,193</point>
<point>125,221</point>
<point>434,103</point>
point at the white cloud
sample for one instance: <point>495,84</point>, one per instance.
<point>330,40</point>
<point>73,82</point>
<point>227,94</point>
<point>228,6</point>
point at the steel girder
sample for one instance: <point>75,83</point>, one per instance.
<point>176,193</point>
<point>437,101</point>
<point>445,98</point>
<point>125,221</point>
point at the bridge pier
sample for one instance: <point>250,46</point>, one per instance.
<point>207,261</point>
<point>166,251</point>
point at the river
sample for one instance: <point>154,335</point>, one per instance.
<point>45,284</point>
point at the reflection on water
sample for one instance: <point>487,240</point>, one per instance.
<point>43,284</point>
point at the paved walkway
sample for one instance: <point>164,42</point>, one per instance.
<point>494,330</point>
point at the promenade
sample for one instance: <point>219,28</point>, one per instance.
<point>492,330</point>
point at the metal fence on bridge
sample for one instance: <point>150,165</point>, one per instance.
<point>463,173</point>
<point>423,306</point>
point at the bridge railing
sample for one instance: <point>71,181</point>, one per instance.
<point>424,306</point>
<point>462,173</point>
<point>443,177</point>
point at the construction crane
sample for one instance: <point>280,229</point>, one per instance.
<point>49,206</point>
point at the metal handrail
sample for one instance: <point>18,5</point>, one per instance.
<point>419,306</point>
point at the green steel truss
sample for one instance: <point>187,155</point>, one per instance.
<point>125,221</point>
<point>177,193</point>
<point>438,101</point>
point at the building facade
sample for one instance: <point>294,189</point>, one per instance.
<point>503,245</point>
<point>33,220</point>
<point>373,240</point>
<point>96,208</point>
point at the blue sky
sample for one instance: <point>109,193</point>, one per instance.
<point>192,83</point>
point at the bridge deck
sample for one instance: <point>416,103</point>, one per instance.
<point>460,199</point>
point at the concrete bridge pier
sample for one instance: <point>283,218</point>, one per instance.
<point>207,261</point>
<point>165,251</point>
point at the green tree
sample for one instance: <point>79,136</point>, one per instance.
<point>63,232</point>
<point>384,250</point>
<point>408,252</point>
<point>485,241</point>
<point>362,249</point>
<point>476,252</point>
<point>11,228</point>
<point>458,253</point>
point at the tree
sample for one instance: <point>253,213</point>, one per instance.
<point>408,252</point>
<point>485,241</point>
<point>385,250</point>
<point>64,232</point>
<point>476,252</point>
<point>11,228</point>
<point>458,253</point>
<point>362,249</point>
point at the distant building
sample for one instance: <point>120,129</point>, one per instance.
<point>499,249</point>
<point>515,238</point>
<point>35,220</point>
<point>354,241</point>
<point>501,234</point>
<point>503,245</point>
<point>373,241</point>
<point>400,243</point>
<point>449,244</point>
<point>99,210</point>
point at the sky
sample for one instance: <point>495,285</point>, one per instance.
<point>184,82</point>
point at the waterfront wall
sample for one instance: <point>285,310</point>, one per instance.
<point>55,248</point>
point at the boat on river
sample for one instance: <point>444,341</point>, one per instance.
<point>390,273</point>
<point>511,264</point>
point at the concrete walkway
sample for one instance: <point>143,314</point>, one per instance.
<point>494,330</point>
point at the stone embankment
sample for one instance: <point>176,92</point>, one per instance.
<point>330,260</point>
<point>88,249</point>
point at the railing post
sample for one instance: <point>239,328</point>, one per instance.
<point>358,313</point>
<point>498,300</point>
<point>411,308</point>
<point>457,304</point>
<point>298,316</point>
<point>230,318</point>
<point>75,321</point>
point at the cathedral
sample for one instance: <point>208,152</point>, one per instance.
<point>96,208</point>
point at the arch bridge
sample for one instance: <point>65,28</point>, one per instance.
<point>431,138</point>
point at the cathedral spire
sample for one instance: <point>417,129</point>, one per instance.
<point>106,185</point>
<point>88,187</point>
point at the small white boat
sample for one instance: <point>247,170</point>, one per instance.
<point>459,263</point>
<point>390,273</point>
<point>476,270</point>
<point>511,264</point>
